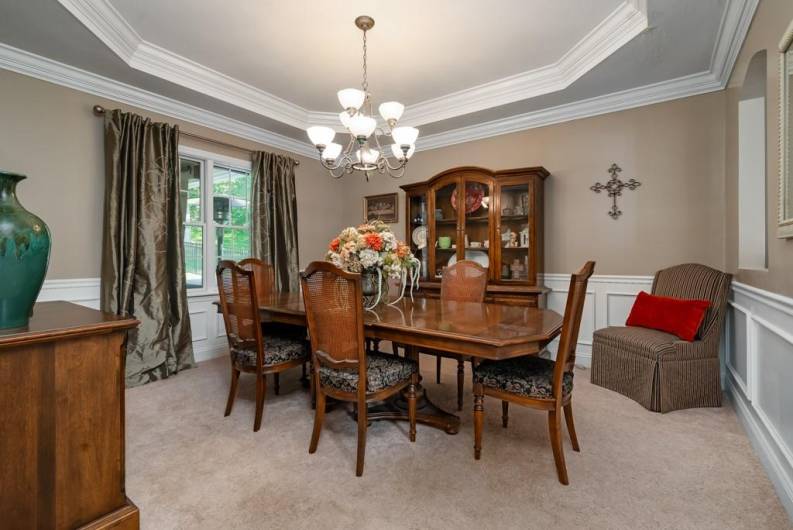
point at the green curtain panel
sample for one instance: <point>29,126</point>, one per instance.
<point>274,217</point>
<point>143,271</point>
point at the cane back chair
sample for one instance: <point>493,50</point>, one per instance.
<point>251,350</point>
<point>342,368</point>
<point>537,382</point>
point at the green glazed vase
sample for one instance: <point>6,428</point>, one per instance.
<point>24,255</point>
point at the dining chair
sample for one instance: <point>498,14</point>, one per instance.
<point>536,382</point>
<point>464,281</point>
<point>251,349</point>
<point>342,368</point>
<point>264,276</point>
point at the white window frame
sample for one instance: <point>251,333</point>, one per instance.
<point>208,160</point>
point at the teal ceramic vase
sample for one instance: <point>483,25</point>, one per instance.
<point>24,255</point>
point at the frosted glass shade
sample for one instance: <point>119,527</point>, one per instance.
<point>405,135</point>
<point>351,98</point>
<point>344,117</point>
<point>367,155</point>
<point>397,151</point>
<point>391,110</point>
<point>320,135</point>
<point>331,152</point>
<point>362,126</point>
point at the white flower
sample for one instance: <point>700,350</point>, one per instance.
<point>389,241</point>
<point>369,258</point>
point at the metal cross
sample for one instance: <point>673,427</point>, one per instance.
<point>614,188</point>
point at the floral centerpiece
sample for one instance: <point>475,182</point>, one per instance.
<point>372,250</point>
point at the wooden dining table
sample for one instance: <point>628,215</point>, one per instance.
<point>482,331</point>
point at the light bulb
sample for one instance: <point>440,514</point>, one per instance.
<point>320,135</point>
<point>331,152</point>
<point>391,111</point>
<point>351,98</point>
<point>397,151</point>
<point>405,135</point>
<point>362,126</point>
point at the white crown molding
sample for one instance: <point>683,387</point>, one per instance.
<point>627,99</point>
<point>621,26</point>
<point>27,63</point>
<point>103,20</point>
<point>734,25</point>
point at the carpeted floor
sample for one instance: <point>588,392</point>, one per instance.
<point>189,467</point>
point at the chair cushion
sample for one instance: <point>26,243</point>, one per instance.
<point>277,350</point>
<point>382,371</point>
<point>648,343</point>
<point>525,376</point>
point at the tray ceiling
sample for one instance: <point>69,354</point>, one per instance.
<point>458,65</point>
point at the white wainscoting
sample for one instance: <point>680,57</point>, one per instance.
<point>759,371</point>
<point>209,334</point>
<point>608,301</point>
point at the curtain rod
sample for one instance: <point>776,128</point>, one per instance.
<point>99,110</point>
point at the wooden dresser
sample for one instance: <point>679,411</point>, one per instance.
<point>501,227</point>
<point>62,421</point>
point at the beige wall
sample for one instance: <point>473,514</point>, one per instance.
<point>676,150</point>
<point>49,133</point>
<point>770,22</point>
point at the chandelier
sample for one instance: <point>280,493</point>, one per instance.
<point>364,152</point>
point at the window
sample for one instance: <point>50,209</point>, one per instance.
<point>752,210</point>
<point>215,194</point>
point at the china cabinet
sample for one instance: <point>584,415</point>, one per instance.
<point>492,217</point>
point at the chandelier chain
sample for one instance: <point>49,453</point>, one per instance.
<point>365,84</point>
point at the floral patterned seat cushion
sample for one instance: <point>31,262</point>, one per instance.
<point>382,371</point>
<point>525,376</point>
<point>277,350</point>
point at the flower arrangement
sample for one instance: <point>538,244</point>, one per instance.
<point>370,247</point>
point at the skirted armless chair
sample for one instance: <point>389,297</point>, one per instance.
<point>658,370</point>
<point>264,276</point>
<point>342,368</point>
<point>537,382</point>
<point>251,350</point>
<point>465,281</point>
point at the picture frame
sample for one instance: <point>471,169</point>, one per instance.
<point>785,197</point>
<point>384,207</point>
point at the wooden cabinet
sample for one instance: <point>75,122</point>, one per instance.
<point>62,417</point>
<point>493,217</point>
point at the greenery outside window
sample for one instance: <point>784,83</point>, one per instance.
<point>215,193</point>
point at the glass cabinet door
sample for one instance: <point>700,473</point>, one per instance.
<point>515,237</point>
<point>418,235</point>
<point>445,228</point>
<point>476,235</point>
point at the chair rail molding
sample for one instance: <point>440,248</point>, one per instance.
<point>209,333</point>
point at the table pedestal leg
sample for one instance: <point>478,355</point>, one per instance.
<point>427,412</point>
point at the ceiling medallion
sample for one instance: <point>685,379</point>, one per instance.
<point>357,118</point>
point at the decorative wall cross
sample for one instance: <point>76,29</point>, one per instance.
<point>614,187</point>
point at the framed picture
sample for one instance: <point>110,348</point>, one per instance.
<point>383,207</point>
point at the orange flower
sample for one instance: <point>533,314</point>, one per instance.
<point>334,245</point>
<point>374,241</point>
<point>403,251</point>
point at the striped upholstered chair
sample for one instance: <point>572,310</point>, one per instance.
<point>658,370</point>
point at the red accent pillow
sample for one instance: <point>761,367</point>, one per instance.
<point>672,315</point>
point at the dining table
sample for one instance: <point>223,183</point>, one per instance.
<point>478,330</point>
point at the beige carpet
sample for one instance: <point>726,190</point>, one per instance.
<point>189,467</point>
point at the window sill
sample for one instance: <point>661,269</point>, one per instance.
<point>201,293</point>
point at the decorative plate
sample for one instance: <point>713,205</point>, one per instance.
<point>474,194</point>
<point>478,256</point>
<point>419,236</point>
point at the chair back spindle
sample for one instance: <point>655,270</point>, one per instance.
<point>239,303</point>
<point>465,281</point>
<point>576,296</point>
<point>334,310</point>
